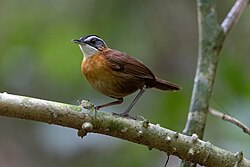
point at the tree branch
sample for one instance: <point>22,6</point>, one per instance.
<point>228,118</point>
<point>141,132</point>
<point>234,15</point>
<point>211,38</point>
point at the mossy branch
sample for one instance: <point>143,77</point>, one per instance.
<point>211,39</point>
<point>142,132</point>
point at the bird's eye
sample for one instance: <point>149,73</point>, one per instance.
<point>93,41</point>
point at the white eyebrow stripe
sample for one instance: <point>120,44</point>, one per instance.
<point>96,37</point>
<point>91,37</point>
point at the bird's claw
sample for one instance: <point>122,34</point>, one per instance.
<point>124,115</point>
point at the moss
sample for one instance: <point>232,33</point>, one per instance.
<point>115,126</point>
<point>74,108</point>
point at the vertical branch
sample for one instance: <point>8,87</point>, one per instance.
<point>211,37</point>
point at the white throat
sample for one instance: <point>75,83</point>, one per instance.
<point>88,50</point>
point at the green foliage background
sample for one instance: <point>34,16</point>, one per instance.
<point>37,59</point>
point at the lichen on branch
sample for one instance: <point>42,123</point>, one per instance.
<point>138,131</point>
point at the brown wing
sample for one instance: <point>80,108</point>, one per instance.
<point>122,62</point>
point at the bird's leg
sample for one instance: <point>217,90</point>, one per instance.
<point>126,112</point>
<point>118,101</point>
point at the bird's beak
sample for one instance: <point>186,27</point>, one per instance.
<point>77,41</point>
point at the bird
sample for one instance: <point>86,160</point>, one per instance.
<point>115,73</point>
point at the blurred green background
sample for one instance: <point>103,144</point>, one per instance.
<point>37,59</point>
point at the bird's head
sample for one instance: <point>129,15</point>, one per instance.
<point>90,44</point>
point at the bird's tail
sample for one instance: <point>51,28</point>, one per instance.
<point>165,85</point>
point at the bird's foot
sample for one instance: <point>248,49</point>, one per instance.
<point>124,115</point>
<point>97,107</point>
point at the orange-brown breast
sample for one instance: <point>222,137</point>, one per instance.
<point>112,83</point>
